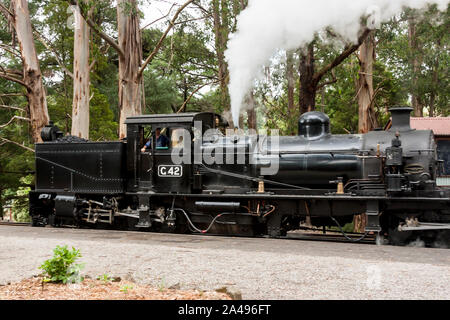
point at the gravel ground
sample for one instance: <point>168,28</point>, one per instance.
<point>258,268</point>
<point>92,289</point>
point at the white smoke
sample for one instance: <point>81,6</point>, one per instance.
<point>417,243</point>
<point>268,25</point>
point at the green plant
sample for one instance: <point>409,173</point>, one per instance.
<point>125,288</point>
<point>20,204</point>
<point>162,285</point>
<point>105,278</point>
<point>61,267</point>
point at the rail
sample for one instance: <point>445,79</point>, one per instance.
<point>9,223</point>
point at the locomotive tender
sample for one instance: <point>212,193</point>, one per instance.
<point>242,185</point>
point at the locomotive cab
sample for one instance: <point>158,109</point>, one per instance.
<point>165,165</point>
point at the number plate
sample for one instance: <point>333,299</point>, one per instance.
<point>170,171</point>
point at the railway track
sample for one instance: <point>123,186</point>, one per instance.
<point>306,235</point>
<point>369,239</point>
<point>309,236</point>
<point>7,223</point>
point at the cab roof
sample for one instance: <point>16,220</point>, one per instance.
<point>172,118</point>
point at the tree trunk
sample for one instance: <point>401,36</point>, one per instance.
<point>130,82</point>
<point>129,49</point>
<point>221,31</point>
<point>310,79</point>
<point>434,89</point>
<point>367,120</point>
<point>224,12</point>
<point>415,63</point>
<point>251,112</point>
<point>290,81</point>
<point>1,203</point>
<point>435,82</point>
<point>81,80</point>
<point>32,76</point>
<point>307,89</point>
<point>359,222</point>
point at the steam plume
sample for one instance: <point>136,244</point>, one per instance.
<point>267,25</point>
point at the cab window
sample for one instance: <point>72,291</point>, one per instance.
<point>161,138</point>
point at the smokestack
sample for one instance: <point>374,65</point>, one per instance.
<point>400,118</point>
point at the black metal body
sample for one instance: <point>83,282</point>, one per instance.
<point>89,167</point>
<point>389,175</point>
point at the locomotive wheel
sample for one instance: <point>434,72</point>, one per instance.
<point>34,221</point>
<point>181,224</point>
<point>37,221</point>
<point>130,224</point>
<point>442,239</point>
<point>399,238</point>
<point>274,226</point>
<point>52,220</point>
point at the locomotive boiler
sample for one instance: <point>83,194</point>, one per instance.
<point>203,180</point>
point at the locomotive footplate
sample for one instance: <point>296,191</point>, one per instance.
<point>424,226</point>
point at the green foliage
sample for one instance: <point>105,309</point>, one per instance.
<point>210,101</point>
<point>16,163</point>
<point>431,52</point>
<point>161,95</point>
<point>184,64</point>
<point>60,110</point>
<point>101,125</point>
<point>61,267</point>
<point>339,99</point>
<point>20,203</point>
<point>125,288</point>
<point>347,228</point>
<point>162,285</point>
<point>105,278</point>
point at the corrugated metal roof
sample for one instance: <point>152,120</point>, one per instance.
<point>439,125</point>
<point>443,181</point>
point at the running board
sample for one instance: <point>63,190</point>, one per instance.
<point>425,226</point>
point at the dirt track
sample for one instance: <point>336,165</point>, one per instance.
<point>259,268</point>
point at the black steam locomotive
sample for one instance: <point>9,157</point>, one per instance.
<point>202,180</point>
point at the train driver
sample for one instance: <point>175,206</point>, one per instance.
<point>161,140</point>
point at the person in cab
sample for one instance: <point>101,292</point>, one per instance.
<point>161,141</point>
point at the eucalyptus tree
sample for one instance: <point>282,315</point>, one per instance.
<point>129,49</point>
<point>81,76</point>
<point>367,120</point>
<point>30,78</point>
